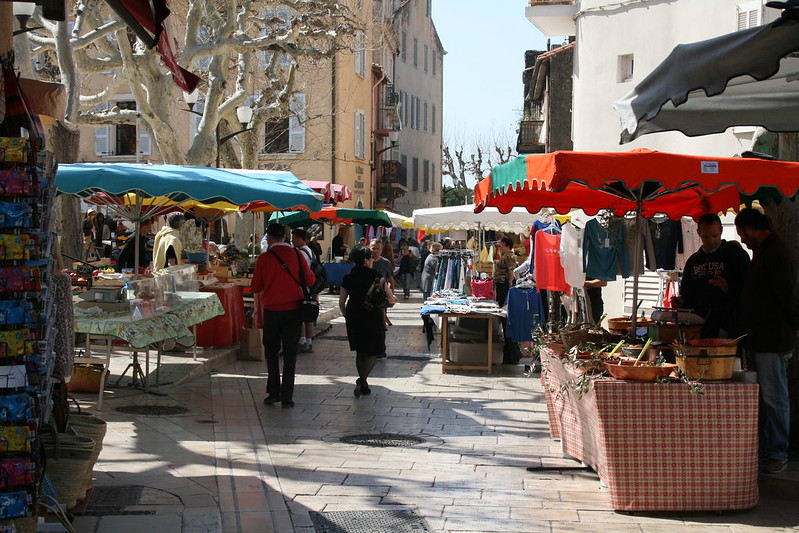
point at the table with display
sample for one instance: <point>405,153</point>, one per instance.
<point>227,328</point>
<point>659,446</point>
<point>140,334</point>
<point>335,273</point>
<point>446,363</point>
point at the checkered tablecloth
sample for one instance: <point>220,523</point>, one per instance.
<point>660,447</point>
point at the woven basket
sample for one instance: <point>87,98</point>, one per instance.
<point>69,457</point>
<point>86,378</point>
<point>90,426</point>
<point>26,524</point>
<point>581,336</point>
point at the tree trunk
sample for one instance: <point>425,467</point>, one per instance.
<point>64,142</point>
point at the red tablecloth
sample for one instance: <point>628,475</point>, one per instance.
<point>658,446</point>
<point>226,329</point>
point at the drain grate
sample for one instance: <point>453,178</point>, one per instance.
<point>419,356</point>
<point>382,440</point>
<point>394,521</point>
<point>152,410</point>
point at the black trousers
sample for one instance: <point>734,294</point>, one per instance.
<point>281,328</point>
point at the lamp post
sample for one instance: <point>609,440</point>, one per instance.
<point>23,12</point>
<point>243,113</point>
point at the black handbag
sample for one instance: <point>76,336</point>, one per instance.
<point>309,309</point>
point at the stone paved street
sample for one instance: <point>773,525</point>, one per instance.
<point>232,464</point>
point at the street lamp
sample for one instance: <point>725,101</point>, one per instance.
<point>243,114</point>
<point>23,12</point>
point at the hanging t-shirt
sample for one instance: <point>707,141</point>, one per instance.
<point>525,308</point>
<point>548,270</point>
<point>666,240</point>
<point>571,255</point>
<point>648,250</point>
<point>604,251</point>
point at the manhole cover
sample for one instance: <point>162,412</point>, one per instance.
<point>335,338</point>
<point>394,521</point>
<point>152,410</point>
<point>382,440</point>
<point>411,357</point>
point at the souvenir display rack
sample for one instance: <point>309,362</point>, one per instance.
<point>27,334</point>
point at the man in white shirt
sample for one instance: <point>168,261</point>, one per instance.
<point>299,238</point>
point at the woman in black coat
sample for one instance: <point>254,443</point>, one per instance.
<point>364,326</point>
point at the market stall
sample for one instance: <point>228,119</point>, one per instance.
<point>658,446</point>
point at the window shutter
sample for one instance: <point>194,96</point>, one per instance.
<point>358,135</point>
<point>748,15</point>
<point>360,53</point>
<point>297,123</point>
<point>145,143</point>
<point>102,141</point>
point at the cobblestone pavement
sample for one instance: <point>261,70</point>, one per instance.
<point>233,464</point>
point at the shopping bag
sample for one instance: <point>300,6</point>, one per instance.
<point>483,288</point>
<point>251,348</point>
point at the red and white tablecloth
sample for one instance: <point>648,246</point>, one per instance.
<point>658,446</point>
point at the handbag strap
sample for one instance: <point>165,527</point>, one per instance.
<point>302,284</point>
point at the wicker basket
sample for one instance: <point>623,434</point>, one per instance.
<point>583,335</point>
<point>90,426</point>
<point>26,524</point>
<point>86,378</point>
<point>69,457</point>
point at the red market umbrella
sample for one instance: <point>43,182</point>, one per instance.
<point>640,177</point>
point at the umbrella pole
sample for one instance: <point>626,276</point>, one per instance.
<point>636,264</point>
<point>136,237</point>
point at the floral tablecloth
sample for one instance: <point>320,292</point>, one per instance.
<point>195,307</point>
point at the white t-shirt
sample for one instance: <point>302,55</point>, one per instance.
<point>307,253</point>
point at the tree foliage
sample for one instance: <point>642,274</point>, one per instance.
<point>246,53</point>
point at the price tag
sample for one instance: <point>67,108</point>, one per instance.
<point>607,242</point>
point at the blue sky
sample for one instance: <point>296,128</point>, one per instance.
<point>485,43</point>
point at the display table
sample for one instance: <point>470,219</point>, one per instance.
<point>226,329</point>
<point>658,446</point>
<point>446,363</point>
<point>336,271</point>
<point>194,308</point>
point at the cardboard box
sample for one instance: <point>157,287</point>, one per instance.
<point>251,347</point>
<point>475,352</point>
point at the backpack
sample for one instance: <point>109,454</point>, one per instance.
<point>319,273</point>
<point>376,296</point>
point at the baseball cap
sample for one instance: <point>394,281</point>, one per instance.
<point>91,211</point>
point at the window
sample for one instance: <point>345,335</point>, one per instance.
<point>360,134</point>
<point>412,123</point>
<point>360,54</point>
<point>626,68</point>
<point>281,25</point>
<point>415,52</point>
<point>122,137</point>
<point>426,166</point>
<point>415,174</point>
<point>433,176</point>
<point>404,110</point>
<point>404,162</point>
<point>425,116</point>
<point>428,8</point>
<point>404,46</point>
<point>425,58</point>
<point>418,113</point>
<point>748,15</point>
<point>433,119</point>
<point>433,60</point>
<point>287,135</point>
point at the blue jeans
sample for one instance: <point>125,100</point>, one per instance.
<point>775,407</point>
<point>407,278</point>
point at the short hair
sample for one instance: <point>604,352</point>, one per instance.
<point>276,231</point>
<point>507,241</point>
<point>175,220</point>
<point>709,219</point>
<point>436,247</point>
<point>360,254</point>
<point>752,219</point>
<point>376,240</point>
<point>300,233</point>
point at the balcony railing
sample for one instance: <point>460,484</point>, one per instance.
<point>551,2</point>
<point>531,139</point>
<point>394,173</point>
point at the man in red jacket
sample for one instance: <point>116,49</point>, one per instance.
<point>278,275</point>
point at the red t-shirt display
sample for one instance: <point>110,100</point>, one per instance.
<point>548,270</point>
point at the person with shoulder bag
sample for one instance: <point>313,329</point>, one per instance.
<point>282,279</point>
<point>362,301</point>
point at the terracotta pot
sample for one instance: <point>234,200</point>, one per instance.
<point>626,370</point>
